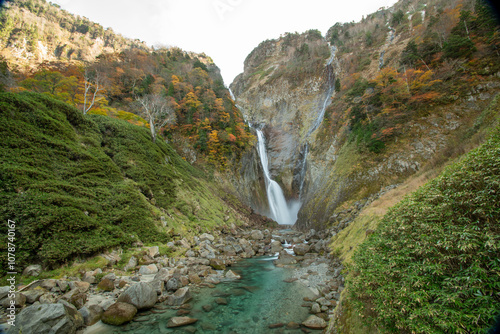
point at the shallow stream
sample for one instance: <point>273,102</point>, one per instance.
<point>260,298</point>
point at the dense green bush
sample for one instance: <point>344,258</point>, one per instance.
<point>433,265</point>
<point>75,184</point>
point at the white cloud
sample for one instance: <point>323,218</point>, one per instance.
<point>226,30</point>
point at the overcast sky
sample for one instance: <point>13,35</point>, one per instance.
<point>226,30</point>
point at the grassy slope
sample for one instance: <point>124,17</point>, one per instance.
<point>77,185</point>
<point>436,267</point>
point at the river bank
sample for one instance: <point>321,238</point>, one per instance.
<point>153,284</point>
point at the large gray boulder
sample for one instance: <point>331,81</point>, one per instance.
<point>314,322</point>
<point>118,314</point>
<point>285,259</point>
<point>179,297</point>
<point>142,295</point>
<point>301,249</point>
<point>47,318</point>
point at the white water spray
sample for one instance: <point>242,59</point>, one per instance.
<point>280,210</point>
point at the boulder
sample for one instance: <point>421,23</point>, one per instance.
<point>217,264</point>
<point>315,308</point>
<point>301,249</point>
<point>148,270</point>
<point>180,297</point>
<point>63,285</point>
<point>33,295</point>
<point>284,259</point>
<point>89,277</point>
<point>48,284</point>
<point>153,251</point>
<point>194,279</point>
<point>141,295</point>
<point>276,246</point>
<point>158,286</point>
<point>163,275</point>
<point>119,313</point>
<point>180,321</point>
<point>106,285</point>
<point>81,286</point>
<point>232,275</point>
<point>19,300</point>
<point>47,318</point>
<point>206,236</point>
<point>257,235</point>
<point>91,314</point>
<point>314,322</point>
<point>75,297</point>
<point>32,270</point>
<point>173,284</point>
<point>132,263</point>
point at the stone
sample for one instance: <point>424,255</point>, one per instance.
<point>292,325</point>
<point>212,280</point>
<point>33,295</point>
<point>91,314</point>
<point>301,249</point>
<point>163,275</point>
<point>75,297</point>
<point>276,247</point>
<point>89,277</point>
<point>148,270</point>
<point>284,259</point>
<point>206,236</point>
<point>221,301</point>
<point>110,276</point>
<point>180,321</point>
<point>232,275</point>
<point>315,308</point>
<point>47,318</point>
<point>153,251</point>
<point>47,298</point>
<point>257,235</point>
<point>194,279</point>
<point>278,325</point>
<point>106,285</point>
<point>113,258</point>
<point>180,297</point>
<point>32,270</point>
<point>4,291</point>
<point>158,286</point>
<point>19,300</point>
<point>119,313</point>
<point>122,284</point>
<point>207,308</point>
<point>132,263</point>
<point>48,284</point>
<point>63,285</point>
<point>173,284</point>
<point>217,264</point>
<point>81,286</point>
<point>314,322</point>
<point>141,295</point>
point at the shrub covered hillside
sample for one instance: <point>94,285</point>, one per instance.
<point>433,266</point>
<point>76,184</point>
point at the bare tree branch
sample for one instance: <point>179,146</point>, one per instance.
<point>157,111</point>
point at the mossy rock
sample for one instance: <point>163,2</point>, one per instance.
<point>119,314</point>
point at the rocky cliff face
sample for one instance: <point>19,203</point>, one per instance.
<point>283,90</point>
<point>370,138</point>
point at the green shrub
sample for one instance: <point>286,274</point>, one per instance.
<point>433,264</point>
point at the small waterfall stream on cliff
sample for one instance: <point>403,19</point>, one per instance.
<point>281,211</point>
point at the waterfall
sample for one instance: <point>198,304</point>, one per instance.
<point>280,210</point>
<point>329,92</point>
<point>232,95</point>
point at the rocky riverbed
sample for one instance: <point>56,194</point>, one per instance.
<point>151,284</point>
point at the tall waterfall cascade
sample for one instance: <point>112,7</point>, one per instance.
<point>282,212</point>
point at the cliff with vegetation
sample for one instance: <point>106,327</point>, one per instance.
<point>79,94</point>
<point>409,84</point>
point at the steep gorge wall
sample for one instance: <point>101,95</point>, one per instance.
<point>282,89</point>
<point>342,174</point>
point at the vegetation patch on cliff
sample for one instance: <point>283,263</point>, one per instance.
<point>433,263</point>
